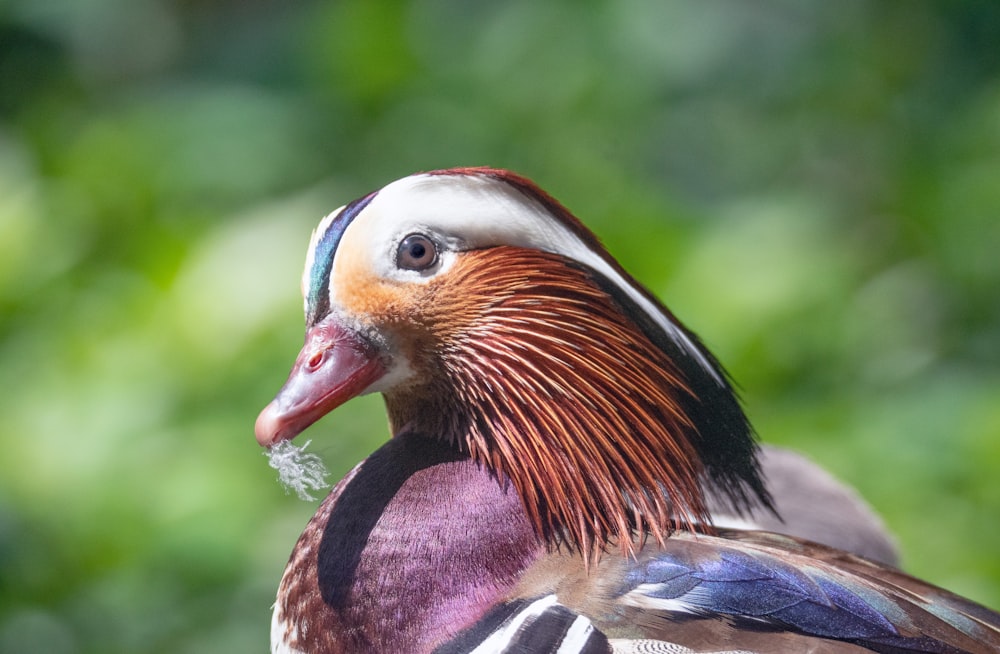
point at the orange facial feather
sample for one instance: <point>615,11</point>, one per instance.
<point>540,375</point>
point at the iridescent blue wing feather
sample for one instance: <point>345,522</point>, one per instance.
<point>755,581</point>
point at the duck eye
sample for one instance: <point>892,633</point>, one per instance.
<point>416,252</point>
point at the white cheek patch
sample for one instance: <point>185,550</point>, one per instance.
<point>298,470</point>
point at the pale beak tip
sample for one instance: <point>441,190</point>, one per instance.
<point>268,426</point>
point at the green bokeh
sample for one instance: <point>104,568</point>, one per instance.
<point>812,186</point>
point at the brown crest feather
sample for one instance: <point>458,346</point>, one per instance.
<point>536,370</point>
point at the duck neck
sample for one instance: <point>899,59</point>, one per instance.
<point>415,544</point>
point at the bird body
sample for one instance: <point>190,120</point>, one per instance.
<point>560,446</point>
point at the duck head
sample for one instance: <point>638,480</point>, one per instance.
<point>488,316</point>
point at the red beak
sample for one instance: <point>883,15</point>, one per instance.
<point>334,365</point>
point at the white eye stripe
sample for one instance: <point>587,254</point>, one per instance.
<point>470,211</point>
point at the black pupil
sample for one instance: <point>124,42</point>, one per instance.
<point>417,250</point>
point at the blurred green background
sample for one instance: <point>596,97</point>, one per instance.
<point>814,187</point>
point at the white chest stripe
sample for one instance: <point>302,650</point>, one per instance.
<point>500,639</point>
<point>576,636</point>
<point>541,619</point>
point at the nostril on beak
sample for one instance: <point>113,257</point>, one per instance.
<point>315,361</point>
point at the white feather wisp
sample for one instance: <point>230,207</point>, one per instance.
<point>298,470</point>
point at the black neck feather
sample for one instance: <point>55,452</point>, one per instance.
<point>726,441</point>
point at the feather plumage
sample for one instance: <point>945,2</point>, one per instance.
<point>545,409</point>
<point>561,393</point>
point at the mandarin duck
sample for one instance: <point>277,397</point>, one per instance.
<point>564,455</point>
